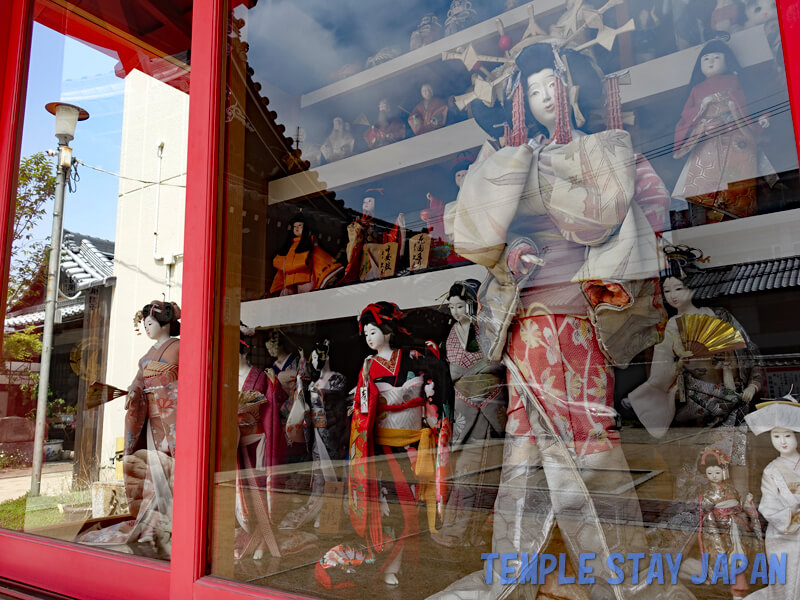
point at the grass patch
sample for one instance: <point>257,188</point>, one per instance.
<point>26,513</point>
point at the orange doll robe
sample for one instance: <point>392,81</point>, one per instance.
<point>298,272</point>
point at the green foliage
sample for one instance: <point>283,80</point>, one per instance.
<point>24,346</point>
<point>35,188</point>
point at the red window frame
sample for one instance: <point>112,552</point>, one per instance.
<point>84,572</point>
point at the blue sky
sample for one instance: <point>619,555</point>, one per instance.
<point>62,68</point>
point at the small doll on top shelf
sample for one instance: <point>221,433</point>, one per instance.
<point>429,30</point>
<point>339,143</point>
<point>301,265</point>
<point>727,16</point>
<point>429,114</point>
<point>460,15</point>
<point>727,526</point>
<point>387,129</point>
<point>719,140</point>
<point>780,490</point>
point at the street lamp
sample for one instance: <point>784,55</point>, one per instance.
<point>67,117</point>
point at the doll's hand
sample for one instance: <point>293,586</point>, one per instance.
<point>271,375</point>
<point>705,102</point>
<point>763,121</point>
<point>429,389</point>
<point>748,393</point>
<point>132,399</point>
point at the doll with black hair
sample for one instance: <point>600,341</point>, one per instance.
<point>301,265</point>
<point>479,416</point>
<point>719,139</point>
<point>559,211</point>
<point>727,526</point>
<point>328,430</point>
<point>684,390</point>
<point>399,441</point>
<point>149,445</point>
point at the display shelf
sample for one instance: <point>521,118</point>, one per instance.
<point>410,153</point>
<point>411,291</point>
<point>426,54</point>
<point>761,237</point>
<point>674,71</point>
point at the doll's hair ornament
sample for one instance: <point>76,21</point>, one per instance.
<point>382,313</point>
<point>166,313</point>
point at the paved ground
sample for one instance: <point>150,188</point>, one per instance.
<point>56,479</point>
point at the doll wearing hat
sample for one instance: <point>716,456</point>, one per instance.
<point>780,492</point>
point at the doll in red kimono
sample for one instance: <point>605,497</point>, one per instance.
<point>399,438</point>
<point>718,139</point>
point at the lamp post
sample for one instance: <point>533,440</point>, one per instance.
<point>67,116</point>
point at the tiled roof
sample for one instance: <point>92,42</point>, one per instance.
<point>26,318</point>
<point>83,265</point>
<point>744,278</point>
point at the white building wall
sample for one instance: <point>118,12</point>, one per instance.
<point>153,113</point>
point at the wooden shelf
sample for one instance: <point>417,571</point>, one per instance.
<point>674,71</point>
<point>410,153</point>
<point>411,291</point>
<point>426,54</point>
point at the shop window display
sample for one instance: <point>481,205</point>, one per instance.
<point>107,448</point>
<point>517,225</point>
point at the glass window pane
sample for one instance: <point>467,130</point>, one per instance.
<point>503,277</point>
<point>81,361</point>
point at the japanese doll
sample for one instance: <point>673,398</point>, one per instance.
<point>719,140</point>
<point>479,417</point>
<point>387,128</point>
<point>429,114</point>
<point>301,265</point>
<point>727,525</point>
<point>780,491</point>
<point>328,430</point>
<point>399,440</point>
<point>563,246</point>
<point>149,447</point>
<point>374,247</point>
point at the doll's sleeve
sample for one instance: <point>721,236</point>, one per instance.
<point>689,116</point>
<point>651,194</point>
<point>777,505</point>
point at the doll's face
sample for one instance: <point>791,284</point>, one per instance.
<point>712,63</point>
<point>318,358</point>
<point>760,11</point>
<point>427,91</point>
<point>715,474</point>
<point>375,338</point>
<point>383,105</point>
<point>783,440</point>
<point>338,124</point>
<point>541,97</point>
<point>368,205</point>
<point>458,309</point>
<point>152,328</point>
<point>273,345</point>
<point>677,295</point>
<point>297,229</point>
<point>460,177</point>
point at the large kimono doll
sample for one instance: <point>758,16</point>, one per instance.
<point>780,492</point>
<point>718,139</point>
<point>149,451</point>
<point>565,226</point>
<point>727,526</point>
<point>479,417</point>
<point>301,265</point>
<point>399,440</point>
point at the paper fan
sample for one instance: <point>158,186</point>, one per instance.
<point>100,393</point>
<point>704,335</point>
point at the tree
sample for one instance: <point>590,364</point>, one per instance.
<point>36,187</point>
